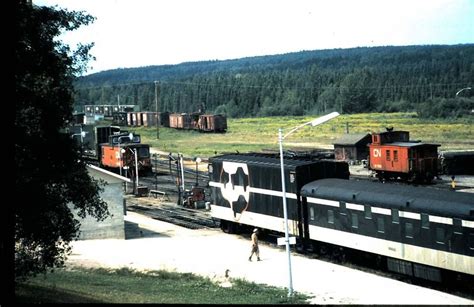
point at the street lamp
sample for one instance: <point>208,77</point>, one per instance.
<point>466,88</point>
<point>313,123</point>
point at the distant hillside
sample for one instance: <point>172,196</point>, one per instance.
<point>347,80</point>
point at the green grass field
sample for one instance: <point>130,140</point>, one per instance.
<point>82,285</point>
<point>257,134</point>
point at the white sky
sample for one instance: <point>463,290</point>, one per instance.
<point>133,33</point>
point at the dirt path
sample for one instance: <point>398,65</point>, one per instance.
<point>211,252</point>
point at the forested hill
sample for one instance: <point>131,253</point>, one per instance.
<point>307,82</point>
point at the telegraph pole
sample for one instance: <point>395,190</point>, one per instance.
<point>157,114</point>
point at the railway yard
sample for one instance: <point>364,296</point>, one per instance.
<point>163,234</point>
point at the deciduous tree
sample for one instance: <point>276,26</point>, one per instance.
<point>50,175</point>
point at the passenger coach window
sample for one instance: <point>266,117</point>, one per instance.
<point>330,217</point>
<point>355,220</point>
<point>311,213</point>
<point>395,216</point>
<point>440,235</point>
<point>457,226</point>
<point>367,212</point>
<point>380,225</point>
<point>425,222</point>
<point>342,205</point>
<point>409,230</point>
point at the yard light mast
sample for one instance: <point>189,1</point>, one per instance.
<point>313,123</point>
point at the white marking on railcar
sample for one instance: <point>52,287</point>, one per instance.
<point>271,192</point>
<point>354,206</point>
<point>469,224</point>
<point>381,211</point>
<point>410,215</point>
<point>255,219</point>
<point>216,184</point>
<point>441,220</point>
<point>321,201</point>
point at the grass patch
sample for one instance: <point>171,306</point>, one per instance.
<point>83,285</point>
<point>257,134</point>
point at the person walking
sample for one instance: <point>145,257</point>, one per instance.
<point>255,249</point>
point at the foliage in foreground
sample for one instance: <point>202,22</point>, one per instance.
<point>81,285</point>
<point>49,173</point>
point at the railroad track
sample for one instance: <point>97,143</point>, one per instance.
<point>184,217</point>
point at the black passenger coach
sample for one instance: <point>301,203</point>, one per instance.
<point>418,231</point>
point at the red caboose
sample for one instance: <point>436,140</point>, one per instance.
<point>392,155</point>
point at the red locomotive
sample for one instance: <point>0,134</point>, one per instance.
<point>393,156</point>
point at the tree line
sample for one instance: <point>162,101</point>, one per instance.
<point>376,79</point>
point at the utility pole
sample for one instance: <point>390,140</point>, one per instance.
<point>157,114</point>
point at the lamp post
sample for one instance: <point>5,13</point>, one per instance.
<point>198,160</point>
<point>157,115</point>
<point>463,89</point>
<point>313,123</point>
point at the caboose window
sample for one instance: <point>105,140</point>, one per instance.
<point>387,155</point>
<point>395,155</point>
<point>409,230</point>
<point>330,217</point>
<point>367,212</point>
<point>425,222</point>
<point>380,224</point>
<point>440,234</point>
<point>355,220</point>
<point>395,216</point>
<point>311,213</point>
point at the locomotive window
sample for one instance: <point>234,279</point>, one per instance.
<point>471,241</point>
<point>457,226</point>
<point>395,216</point>
<point>409,230</point>
<point>440,234</point>
<point>387,155</point>
<point>367,212</point>
<point>355,220</point>
<point>330,217</point>
<point>311,213</point>
<point>395,155</point>
<point>425,222</point>
<point>380,224</point>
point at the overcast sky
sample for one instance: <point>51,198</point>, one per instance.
<point>133,33</point>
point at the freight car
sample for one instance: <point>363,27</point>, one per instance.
<point>393,156</point>
<point>212,123</point>
<point>417,231</point>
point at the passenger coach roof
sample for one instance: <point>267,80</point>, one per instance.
<point>263,159</point>
<point>424,199</point>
